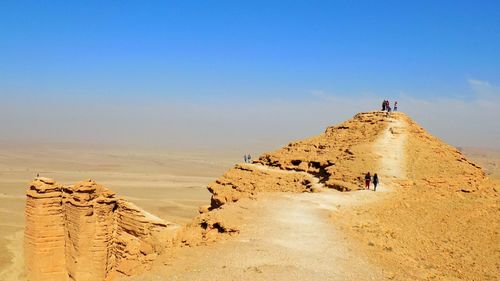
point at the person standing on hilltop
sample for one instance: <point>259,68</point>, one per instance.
<point>249,158</point>
<point>396,106</point>
<point>368,179</point>
<point>375,182</point>
<point>383,105</point>
<point>245,158</point>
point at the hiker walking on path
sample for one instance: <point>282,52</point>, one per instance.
<point>368,179</point>
<point>375,182</point>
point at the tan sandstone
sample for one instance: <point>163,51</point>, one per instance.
<point>84,232</point>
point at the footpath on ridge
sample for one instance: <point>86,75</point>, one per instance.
<point>290,236</point>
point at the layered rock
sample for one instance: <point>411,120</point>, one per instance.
<point>84,232</point>
<point>338,157</point>
<point>90,225</point>
<point>247,180</point>
<point>341,156</point>
<point>139,238</point>
<point>45,231</point>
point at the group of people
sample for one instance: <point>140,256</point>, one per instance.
<point>247,158</point>
<point>386,106</point>
<point>369,180</point>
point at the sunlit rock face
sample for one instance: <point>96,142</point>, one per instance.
<point>84,232</point>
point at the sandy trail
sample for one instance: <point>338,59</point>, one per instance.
<point>282,237</point>
<point>290,236</point>
<point>390,147</point>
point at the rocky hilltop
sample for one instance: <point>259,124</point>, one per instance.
<point>341,156</point>
<point>84,232</point>
<point>338,159</point>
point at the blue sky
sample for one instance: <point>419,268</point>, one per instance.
<point>251,49</point>
<point>247,51</point>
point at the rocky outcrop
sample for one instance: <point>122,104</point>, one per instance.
<point>246,180</point>
<point>45,231</point>
<point>84,232</point>
<point>338,157</point>
<point>341,156</point>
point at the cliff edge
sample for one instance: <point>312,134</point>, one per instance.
<point>84,232</point>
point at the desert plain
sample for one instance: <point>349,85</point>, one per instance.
<point>168,183</point>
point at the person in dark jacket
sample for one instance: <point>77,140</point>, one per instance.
<point>368,179</point>
<point>375,182</point>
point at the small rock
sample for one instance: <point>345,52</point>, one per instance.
<point>46,180</point>
<point>204,209</point>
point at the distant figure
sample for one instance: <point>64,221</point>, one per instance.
<point>368,179</point>
<point>245,158</point>
<point>375,182</point>
<point>37,175</point>
<point>383,105</point>
<point>249,158</point>
<point>396,106</point>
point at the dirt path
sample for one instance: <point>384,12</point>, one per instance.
<point>390,147</point>
<point>290,236</point>
<point>282,237</point>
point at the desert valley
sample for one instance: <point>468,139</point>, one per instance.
<point>298,213</point>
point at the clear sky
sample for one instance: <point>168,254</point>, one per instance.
<point>278,62</point>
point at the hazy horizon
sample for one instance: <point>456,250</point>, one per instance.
<point>244,74</point>
<point>163,124</point>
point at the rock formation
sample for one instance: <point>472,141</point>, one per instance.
<point>340,157</point>
<point>45,232</point>
<point>84,232</point>
<point>246,180</point>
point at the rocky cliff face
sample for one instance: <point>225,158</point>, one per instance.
<point>84,232</point>
<point>45,231</point>
<point>341,156</point>
<point>337,159</point>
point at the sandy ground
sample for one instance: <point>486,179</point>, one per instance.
<point>390,148</point>
<point>169,184</point>
<point>282,237</point>
<point>425,233</point>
